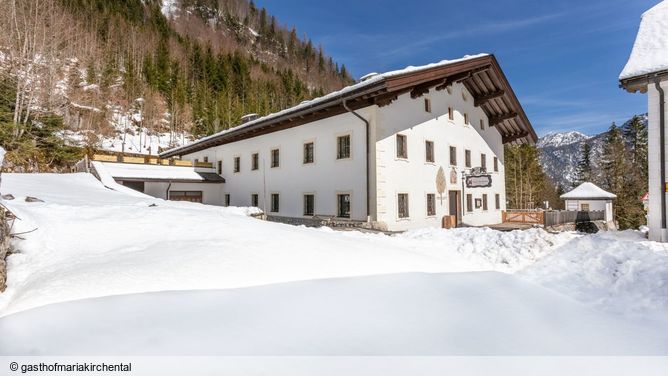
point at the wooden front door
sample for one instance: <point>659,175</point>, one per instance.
<point>454,205</point>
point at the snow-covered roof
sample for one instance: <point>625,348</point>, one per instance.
<point>588,191</point>
<point>149,172</point>
<point>359,88</point>
<point>650,50</point>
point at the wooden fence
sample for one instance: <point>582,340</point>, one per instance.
<point>558,217</point>
<point>552,218</point>
<point>149,160</point>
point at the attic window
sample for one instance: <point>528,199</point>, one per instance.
<point>427,105</point>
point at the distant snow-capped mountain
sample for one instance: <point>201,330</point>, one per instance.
<point>560,153</point>
<point>557,139</point>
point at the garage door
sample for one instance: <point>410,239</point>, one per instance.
<point>192,196</point>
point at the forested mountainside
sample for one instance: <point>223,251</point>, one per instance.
<point>136,75</point>
<point>561,152</point>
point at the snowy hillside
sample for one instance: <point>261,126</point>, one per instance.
<point>93,260</point>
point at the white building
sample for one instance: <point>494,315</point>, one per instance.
<point>647,72</point>
<point>589,197</point>
<point>372,152</point>
<point>177,183</point>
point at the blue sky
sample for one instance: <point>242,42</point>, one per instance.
<point>562,57</point>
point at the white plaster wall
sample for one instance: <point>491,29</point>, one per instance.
<point>325,178</point>
<point>656,186</point>
<point>417,177</point>
<point>594,205</point>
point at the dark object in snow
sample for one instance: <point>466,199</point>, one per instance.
<point>152,205</point>
<point>586,227</point>
<point>33,199</point>
<point>8,196</point>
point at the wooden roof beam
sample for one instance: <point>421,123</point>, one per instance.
<point>514,137</point>
<point>498,119</point>
<point>479,101</point>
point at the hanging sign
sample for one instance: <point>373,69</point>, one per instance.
<point>480,181</point>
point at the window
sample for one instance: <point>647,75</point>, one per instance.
<point>584,207</point>
<point>429,151</point>
<point>484,201</point>
<point>453,156</point>
<point>469,202</point>
<point>196,161</point>
<point>467,158</point>
<point>402,151</point>
<point>274,202</point>
<point>275,158</point>
<point>496,164</point>
<point>206,159</point>
<point>227,199</point>
<point>309,205</point>
<point>466,118</point>
<point>220,167</point>
<point>308,152</point>
<point>192,196</point>
<point>343,206</point>
<point>254,200</point>
<point>483,161</point>
<point>497,201</point>
<point>255,161</point>
<point>343,147</point>
<point>402,205</point>
<point>427,105</point>
<point>451,114</point>
<point>431,204</point>
<point>482,124</point>
<point>237,164</point>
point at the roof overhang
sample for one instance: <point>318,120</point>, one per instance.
<point>640,83</point>
<point>482,76</point>
<point>167,180</point>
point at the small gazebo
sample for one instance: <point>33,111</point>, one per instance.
<point>589,197</point>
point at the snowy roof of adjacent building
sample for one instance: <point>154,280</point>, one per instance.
<point>650,50</point>
<point>480,73</point>
<point>588,191</point>
<point>147,172</point>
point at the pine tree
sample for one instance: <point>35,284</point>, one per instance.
<point>527,185</point>
<point>583,170</point>
<point>619,179</point>
<point>635,133</point>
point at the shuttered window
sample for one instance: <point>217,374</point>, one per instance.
<point>467,158</point>
<point>497,201</point>
<point>343,147</point>
<point>402,147</point>
<point>484,201</point>
<point>237,164</point>
<point>308,152</point>
<point>309,205</point>
<point>402,204</point>
<point>469,202</point>
<point>429,151</point>
<point>275,158</point>
<point>431,204</point>
<point>343,206</point>
<point>255,163</point>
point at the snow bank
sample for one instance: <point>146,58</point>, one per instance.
<point>402,314</point>
<point>650,50</point>
<point>91,241</point>
<point>617,272</point>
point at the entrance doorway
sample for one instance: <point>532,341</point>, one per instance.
<point>455,205</point>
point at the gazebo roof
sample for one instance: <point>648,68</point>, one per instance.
<point>588,191</point>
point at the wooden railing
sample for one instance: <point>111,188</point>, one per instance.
<point>552,217</point>
<point>529,217</point>
<point>149,160</point>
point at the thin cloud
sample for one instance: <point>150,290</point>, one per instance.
<point>486,28</point>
